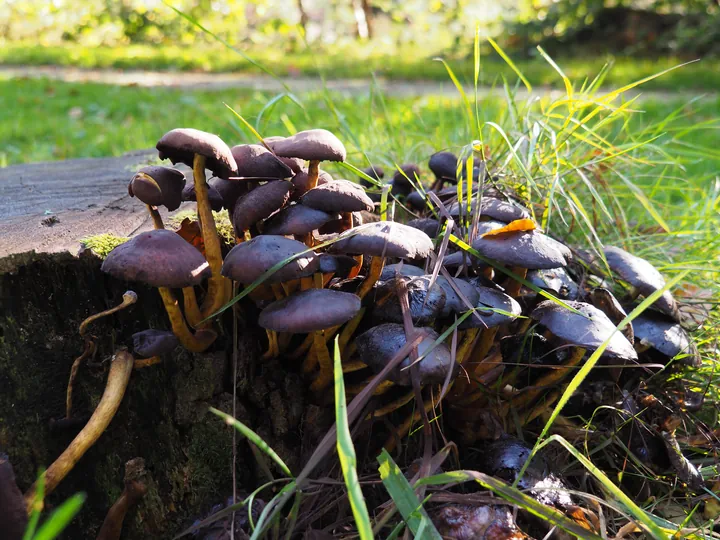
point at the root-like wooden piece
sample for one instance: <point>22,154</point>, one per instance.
<point>121,367</point>
<point>135,489</point>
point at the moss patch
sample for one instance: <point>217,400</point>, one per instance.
<point>102,244</point>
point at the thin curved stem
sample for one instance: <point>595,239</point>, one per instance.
<point>192,342</point>
<point>155,215</point>
<point>376,267</point>
<point>89,350</point>
<point>313,172</point>
<point>129,298</point>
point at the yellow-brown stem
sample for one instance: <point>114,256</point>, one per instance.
<point>393,405</point>
<point>381,389</point>
<point>306,283</point>
<point>272,350</point>
<point>347,222</point>
<point>191,342</point>
<point>307,239</point>
<point>318,280</point>
<point>325,376</point>
<point>112,526</point>
<point>118,378</point>
<point>487,338</point>
<point>147,362</point>
<point>277,291</point>
<point>355,270</point>
<point>192,309</point>
<point>376,267</point>
<point>129,298</point>
<point>349,330</point>
<point>313,172</point>
<point>89,350</point>
<point>217,290</point>
<point>512,285</point>
<point>155,215</point>
<point>355,365</point>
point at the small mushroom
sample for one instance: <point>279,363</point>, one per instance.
<point>373,171</point>
<point>162,259</point>
<point>403,180</point>
<point>606,302</point>
<point>429,226</point>
<point>216,200</point>
<point>135,489</point>
<point>426,303</point>
<point>643,277</point>
<point>158,186</point>
<point>339,196</point>
<point>444,166</point>
<point>337,265</point>
<point>297,220</point>
<point>453,302</point>
<point>13,515</point>
<point>556,280</point>
<point>259,204</point>
<point>314,145</point>
<point>666,337</point>
<point>256,161</point>
<point>416,201</point>
<point>494,209</point>
<point>391,270</point>
<point>377,346</point>
<point>230,191</point>
<point>312,311</point>
<point>149,343</point>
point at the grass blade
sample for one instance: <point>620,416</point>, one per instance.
<point>60,518</point>
<point>510,63</point>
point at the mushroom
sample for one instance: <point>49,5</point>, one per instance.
<point>373,171</point>
<point>297,219</point>
<point>198,149</point>
<point>391,270</point>
<point>13,515</point>
<point>118,377</point>
<point>416,201</point>
<point>522,250</point>
<point>494,209</point>
<point>340,266</point>
<point>339,196</point>
<point>643,277</point>
<point>314,145</point>
<point>606,302</point>
<point>666,337</point>
<point>259,204</point>
<point>426,303</point>
<point>162,259</point>
<point>377,346</point>
<point>158,186</point>
<point>216,199</point>
<point>135,482</point>
<point>230,191</point>
<point>429,226</point>
<point>402,182</point>
<point>256,161</point>
<point>151,344</point>
<point>380,240</point>
<point>312,311</point>
<point>556,280</point>
<point>444,166</point>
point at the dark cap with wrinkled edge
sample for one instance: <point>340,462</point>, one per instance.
<point>490,300</point>
<point>260,203</point>
<point>309,311</point>
<point>667,337</point>
<point>556,280</point>
<point>216,200</point>
<point>301,181</point>
<point>180,146</point>
<point>229,190</point>
<point>493,208</point>
<point>415,201</point>
<point>527,249</point>
<point>340,265</point>
<point>247,261</point>
<point>338,196</point>
<point>159,258</point>
<point>296,219</point>
<point>166,190</point>
<point>453,302</point>
<point>311,145</point>
<point>154,342</point>
<point>254,160</point>
<point>426,302</point>
<point>642,275</point>
<point>444,165</point>
<point>385,239</point>
<point>380,344</point>
<point>588,330</point>
<point>390,270</point>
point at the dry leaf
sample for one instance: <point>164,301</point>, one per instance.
<point>190,232</point>
<point>519,225</point>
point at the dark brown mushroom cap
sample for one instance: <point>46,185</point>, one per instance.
<point>309,311</point>
<point>606,302</point>
<point>301,181</point>
<point>373,171</point>
<point>494,308</point>
<point>588,330</point>
<point>426,303</point>
<point>506,457</point>
<point>13,515</point>
<point>453,302</point>
<point>429,226</point>
<point>402,182</point>
<point>229,190</point>
<point>391,270</point>
<point>667,337</point>
<point>296,219</point>
<point>158,186</point>
<point>377,346</point>
<point>154,342</point>
<point>385,239</point>
<point>556,280</point>
<point>444,165</point>
<point>296,165</point>
<point>340,265</point>
<point>493,208</point>
<point>180,146</point>
<point>311,145</point>
<point>254,160</point>
<point>528,249</point>
<point>159,258</point>
<point>454,260</point>
<point>260,203</point>
<point>216,200</point>
<point>338,225</point>
<point>415,201</point>
<point>643,276</point>
<point>338,196</point>
<point>247,261</point>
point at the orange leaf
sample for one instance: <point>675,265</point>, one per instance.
<point>190,232</point>
<point>519,225</point>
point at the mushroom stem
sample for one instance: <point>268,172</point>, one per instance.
<point>191,308</point>
<point>393,405</point>
<point>376,268</point>
<point>313,172</point>
<point>356,269</point>
<point>118,378</point>
<point>129,298</point>
<point>325,376</point>
<point>347,222</point>
<point>146,362</point>
<point>89,350</point>
<point>217,291</point>
<point>272,350</point>
<point>487,338</point>
<point>155,215</point>
<point>135,489</point>
<point>192,342</point>
<point>512,285</point>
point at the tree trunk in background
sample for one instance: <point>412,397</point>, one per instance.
<point>362,29</point>
<point>367,10</point>
<point>303,16</point>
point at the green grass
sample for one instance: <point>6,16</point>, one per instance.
<point>359,61</point>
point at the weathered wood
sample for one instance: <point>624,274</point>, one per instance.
<point>49,207</point>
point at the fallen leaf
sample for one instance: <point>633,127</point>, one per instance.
<point>190,232</point>
<point>519,225</point>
